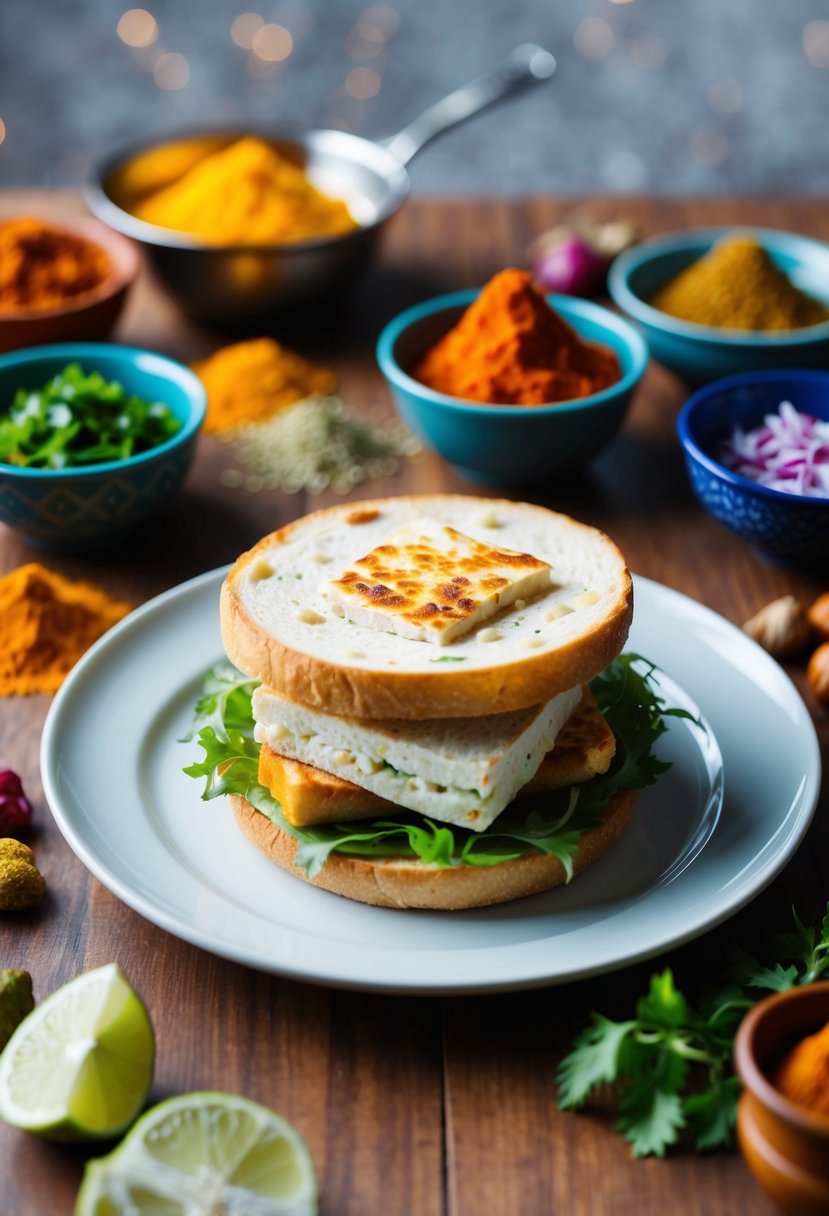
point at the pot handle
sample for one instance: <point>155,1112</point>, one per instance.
<point>526,64</point>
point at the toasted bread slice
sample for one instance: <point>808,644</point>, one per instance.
<point>402,882</point>
<point>584,748</point>
<point>279,626</point>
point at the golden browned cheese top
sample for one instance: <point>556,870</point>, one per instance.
<point>433,583</point>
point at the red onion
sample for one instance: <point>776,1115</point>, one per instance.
<point>574,257</point>
<point>572,267</point>
<point>790,452</point>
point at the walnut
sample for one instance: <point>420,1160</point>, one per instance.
<point>818,616</point>
<point>780,627</point>
<point>818,675</point>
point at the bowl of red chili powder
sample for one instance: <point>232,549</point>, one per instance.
<point>511,386</point>
<point>61,282</point>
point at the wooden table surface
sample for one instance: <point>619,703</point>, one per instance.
<point>428,1107</point>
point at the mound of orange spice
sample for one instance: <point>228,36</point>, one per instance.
<point>803,1075</point>
<point>47,622</point>
<point>44,267</point>
<point>511,348</point>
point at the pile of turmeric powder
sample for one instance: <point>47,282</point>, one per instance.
<point>43,267</point>
<point>250,381</point>
<point>736,285</point>
<point>511,348</point>
<point>246,194</point>
<point>803,1075</point>
<point>46,623</point>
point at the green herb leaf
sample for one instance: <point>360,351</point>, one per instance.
<point>225,703</point>
<point>553,824</point>
<point>593,1061</point>
<point>650,1117</point>
<point>670,1045</point>
<point>81,419</point>
<point>712,1114</point>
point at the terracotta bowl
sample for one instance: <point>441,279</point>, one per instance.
<point>786,1146</point>
<point>91,315</point>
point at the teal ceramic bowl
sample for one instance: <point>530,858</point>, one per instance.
<point>510,445</point>
<point>77,509</point>
<point>699,353</point>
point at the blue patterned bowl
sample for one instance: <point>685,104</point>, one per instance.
<point>77,509</point>
<point>700,353</point>
<point>511,445</point>
<point>790,527</point>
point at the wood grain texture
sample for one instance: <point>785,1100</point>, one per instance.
<point>428,1108</point>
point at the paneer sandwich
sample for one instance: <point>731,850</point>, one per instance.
<point>426,703</point>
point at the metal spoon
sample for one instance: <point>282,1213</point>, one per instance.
<point>247,283</point>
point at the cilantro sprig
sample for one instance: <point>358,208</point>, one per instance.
<point>671,1062</point>
<point>552,823</point>
<point>80,419</point>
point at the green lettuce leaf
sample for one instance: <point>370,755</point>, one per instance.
<point>552,823</point>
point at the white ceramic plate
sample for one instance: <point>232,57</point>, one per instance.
<point>112,771</point>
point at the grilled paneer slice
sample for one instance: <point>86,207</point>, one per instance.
<point>584,747</point>
<point>431,583</point>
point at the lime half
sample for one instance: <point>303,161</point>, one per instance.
<point>203,1154</point>
<point>79,1067</point>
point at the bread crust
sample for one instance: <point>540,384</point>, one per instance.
<point>356,692</point>
<point>407,883</point>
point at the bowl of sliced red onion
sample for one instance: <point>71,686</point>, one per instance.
<point>756,449</point>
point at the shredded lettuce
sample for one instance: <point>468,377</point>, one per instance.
<point>551,823</point>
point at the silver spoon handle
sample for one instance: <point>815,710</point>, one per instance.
<point>527,63</point>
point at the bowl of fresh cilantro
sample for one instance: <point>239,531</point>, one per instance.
<point>94,439</point>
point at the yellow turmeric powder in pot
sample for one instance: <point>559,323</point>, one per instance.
<point>46,623</point>
<point>250,381</point>
<point>246,194</point>
<point>803,1074</point>
<point>736,285</point>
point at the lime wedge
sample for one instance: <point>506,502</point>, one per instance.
<point>203,1153</point>
<point>79,1067</point>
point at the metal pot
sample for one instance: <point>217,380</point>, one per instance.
<point>244,284</point>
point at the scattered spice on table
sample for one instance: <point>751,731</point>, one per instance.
<point>80,418</point>
<point>250,381</point>
<point>789,452</point>
<point>21,882</point>
<point>314,444</point>
<point>511,348</point>
<point>737,285</point>
<point>802,1075</point>
<point>15,808</point>
<point>44,267</point>
<point>246,194</point>
<point>47,622</point>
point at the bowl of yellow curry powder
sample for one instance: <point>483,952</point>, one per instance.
<point>240,225</point>
<point>718,301</point>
